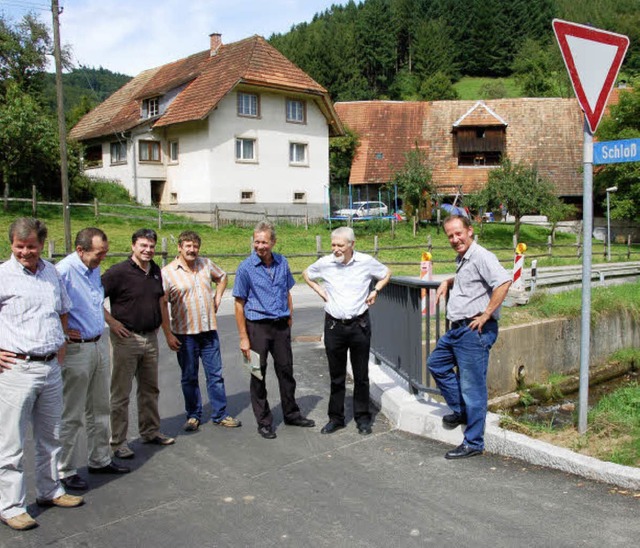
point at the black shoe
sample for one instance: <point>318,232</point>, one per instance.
<point>331,427</point>
<point>111,468</point>
<point>301,421</point>
<point>75,483</point>
<point>266,432</point>
<point>453,420</point>
<point>364,428</point>
<point>462,452</point>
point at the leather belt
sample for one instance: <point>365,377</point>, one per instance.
<point>78,341</point>
<point>466,321</point>
<point>271,320</point>
<point>34,358</point>
<point>348,321</point>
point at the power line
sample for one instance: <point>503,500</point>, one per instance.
<point>25,5</point>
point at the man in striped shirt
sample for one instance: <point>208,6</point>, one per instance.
<point>192,329</point>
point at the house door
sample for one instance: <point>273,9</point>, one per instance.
<point>157,189</point>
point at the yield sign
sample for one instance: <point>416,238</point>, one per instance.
<point>593,58</point>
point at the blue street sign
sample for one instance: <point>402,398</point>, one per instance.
<point>615,152</point>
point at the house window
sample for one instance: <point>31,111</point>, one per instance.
<point>149,151</point>
<point>245,150</point>
<point>296,111</point>
<point>173,151</point>
<point>247,197</point>
<point>298,153</point>
<point>151,107</point>
<point>93,156</point>
<point>248,105</point>
<point>119,153</point>
<point>480,146</point>
<point>300,197</point>
<point>173,198</point>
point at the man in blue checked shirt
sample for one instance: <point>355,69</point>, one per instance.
<point>263,309</point>
<point>86,372</point>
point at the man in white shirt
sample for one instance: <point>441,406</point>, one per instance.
<point>346,277</point>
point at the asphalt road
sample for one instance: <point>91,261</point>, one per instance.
<point>230,488</point>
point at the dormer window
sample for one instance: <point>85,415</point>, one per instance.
<point>480,146</point>
<point>151,107</point>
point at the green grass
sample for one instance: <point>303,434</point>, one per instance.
<point>470,88</point>
<point>298,244</point>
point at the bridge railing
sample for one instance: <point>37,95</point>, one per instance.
<point>402,337</point>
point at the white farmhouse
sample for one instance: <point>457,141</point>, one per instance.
<point>238,126</point>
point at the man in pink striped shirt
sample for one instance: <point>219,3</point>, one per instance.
<point>189,323</point>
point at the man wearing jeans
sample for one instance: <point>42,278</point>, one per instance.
<point>33,318</point>
<point>86,371</point>
<point>477,291</point>
<point>192,330</point>
<point>134,289</point>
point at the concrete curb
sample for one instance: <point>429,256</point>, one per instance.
<point>422,415</point>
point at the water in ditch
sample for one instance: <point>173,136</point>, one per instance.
<point>561,413</point>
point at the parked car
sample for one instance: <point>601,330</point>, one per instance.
<point>363,209</point>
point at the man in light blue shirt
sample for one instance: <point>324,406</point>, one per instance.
<point>85,373</point>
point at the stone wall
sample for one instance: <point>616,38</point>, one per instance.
<point>533,351</point>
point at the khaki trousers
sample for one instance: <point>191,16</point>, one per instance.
<point>85,379</point>
<point>136,357</point>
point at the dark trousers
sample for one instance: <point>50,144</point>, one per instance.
<point>354,337</point>
<point>273,338</point>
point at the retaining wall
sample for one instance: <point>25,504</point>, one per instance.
<point>534,351</point>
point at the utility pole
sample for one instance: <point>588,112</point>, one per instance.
<point>62,130</point>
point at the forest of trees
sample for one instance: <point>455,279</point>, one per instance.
<point>415,49</point>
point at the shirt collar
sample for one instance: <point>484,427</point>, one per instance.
<point>257,261</point>
<point>18,265</point>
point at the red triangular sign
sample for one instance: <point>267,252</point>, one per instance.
<point>593,58</point>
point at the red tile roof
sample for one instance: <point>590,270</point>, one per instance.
<point>387,130</point>
<point>207,79</point>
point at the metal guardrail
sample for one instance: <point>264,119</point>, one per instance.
<point>401,336</point>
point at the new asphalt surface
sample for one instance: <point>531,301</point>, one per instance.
<point>221,487</point>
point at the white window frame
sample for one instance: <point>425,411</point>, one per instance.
<point>296,111</point>
<point>118,151</point>
<point>174,151</point>
<point>247,196</point>
<point>151,107</point>
<point>294,154</point>
<point>150,147</point>
<point>248,105</point>
<point>241,151</point>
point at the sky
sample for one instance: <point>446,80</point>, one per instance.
<point>129,36</point>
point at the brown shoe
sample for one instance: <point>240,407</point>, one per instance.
<point>191,425</point>
<point>160,439</point>
<point>64,501</point>
<point>21,522</point>
<point>229,422</point>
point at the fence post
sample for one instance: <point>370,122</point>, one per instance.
<point>429,244</point>
<point>306,219</point>
<point>34,204</point>
<point>164,251</point>
<point>6,196</point>
<point>549,246</point>
<point>52,249</point>
<point>319,246</point>
<point>95,208</point>
<point>578,245</point>
<point>515,242</point>
<point>159,218</point>
<point>628,246</point>
<point>393,229</point>
<point>375,246</point>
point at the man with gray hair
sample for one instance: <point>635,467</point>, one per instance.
<point>33,319</point>
<point>86,372</point>
<point>347,276</point>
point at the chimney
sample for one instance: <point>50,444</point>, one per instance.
<point>216,42</point>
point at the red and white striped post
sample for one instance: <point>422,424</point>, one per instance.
<point>426,273</point>
<point>518,264</point>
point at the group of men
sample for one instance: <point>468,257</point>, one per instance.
<point>54,368</point>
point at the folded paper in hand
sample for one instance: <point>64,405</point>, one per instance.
<point>253,364</point>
